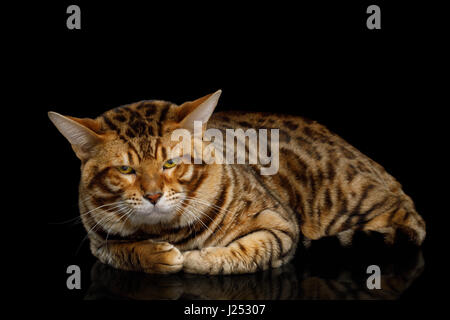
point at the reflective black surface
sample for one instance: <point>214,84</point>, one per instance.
<point>325,272</point>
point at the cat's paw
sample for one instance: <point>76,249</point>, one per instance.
<point>159,257</point>
<point>199,261</point>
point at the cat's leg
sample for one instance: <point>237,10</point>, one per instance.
<point>387,232</point>
<point>404,218</point>
<point>346,237</point>
<point>269,243</point>
<point>384,212</point>
<point>259,250</point>
<point>147,256</point>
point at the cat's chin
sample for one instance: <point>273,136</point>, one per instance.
<point>151,216</point>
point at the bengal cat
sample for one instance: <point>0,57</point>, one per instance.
<point>144,211</point>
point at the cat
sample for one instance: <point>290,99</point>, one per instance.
<point>144,211</point>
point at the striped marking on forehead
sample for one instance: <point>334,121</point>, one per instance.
<point>141,119</point>
<point>145,148</point>
<point>155,149</point>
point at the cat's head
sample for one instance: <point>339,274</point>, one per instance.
<point>129,174</point>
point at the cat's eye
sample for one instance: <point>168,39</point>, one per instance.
<point>125,169</point>
<point>169,164</point>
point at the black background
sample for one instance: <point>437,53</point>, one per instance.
<point>375,88</point>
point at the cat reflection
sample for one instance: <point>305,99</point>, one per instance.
<point>317,280</point>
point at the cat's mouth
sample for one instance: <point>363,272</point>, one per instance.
<point>153,210</point>
<point>151,214</point>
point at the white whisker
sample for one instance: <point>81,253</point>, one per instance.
<point>202,201</point>
<point>108,219</point>
<point>78,218</point>
<point>120,220</point>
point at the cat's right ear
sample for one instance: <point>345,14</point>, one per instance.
<point>79,132</point>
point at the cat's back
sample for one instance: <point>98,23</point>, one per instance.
<point>311,140</point>
<point>259,120</point>
<point>309,153</point>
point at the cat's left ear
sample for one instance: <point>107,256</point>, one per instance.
<point>198,110</point>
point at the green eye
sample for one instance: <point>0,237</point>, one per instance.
<point>125,169</point>
<point>169,164</point>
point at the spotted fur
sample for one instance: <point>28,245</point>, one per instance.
<point>224,219</point>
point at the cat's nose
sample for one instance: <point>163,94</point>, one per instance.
<point>153,197</point>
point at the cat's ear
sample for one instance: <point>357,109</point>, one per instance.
<point>198,110</point>
<point>81,133</point>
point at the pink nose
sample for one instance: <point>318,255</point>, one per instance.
<point>153,197</point>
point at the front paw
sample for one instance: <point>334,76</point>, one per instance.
<point>202,261</point>
<point>160,257</point>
